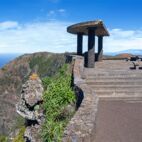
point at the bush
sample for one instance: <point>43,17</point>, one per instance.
<point>57,97</point>
<point>3,138</point>
<point>47,65</point>
<point>19,137</point>
<point>19,122</point>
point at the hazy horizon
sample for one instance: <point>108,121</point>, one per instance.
<point>7,57</point>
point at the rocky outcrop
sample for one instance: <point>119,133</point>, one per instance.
<point>29,108</point>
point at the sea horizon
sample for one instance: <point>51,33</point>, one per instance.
<point>5,58</point>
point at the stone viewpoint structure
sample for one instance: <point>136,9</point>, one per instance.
<point>92,29</point>
<point>111,109</point>
<point>111,105</point>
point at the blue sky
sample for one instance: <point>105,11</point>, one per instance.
<point>40,25</point>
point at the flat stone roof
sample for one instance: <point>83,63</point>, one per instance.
<point>83,28</point>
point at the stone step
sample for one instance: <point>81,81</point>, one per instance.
<point>126,98</point>
<point>122,69</point>
<point>113,72</point>
<point>115,82</point>
<point>96,78</point>
<point>115,85</point>
<point>115,89</point>
<point>111,93</point>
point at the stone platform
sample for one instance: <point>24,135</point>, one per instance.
<point>119,115</point>
<point>119,121</point>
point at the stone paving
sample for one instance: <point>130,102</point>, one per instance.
<point>119,121</point>
<point>119,115</point>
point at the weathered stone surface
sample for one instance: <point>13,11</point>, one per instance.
<point>29,108</point>
<point>83,28</point>
<point>78,69</point>
<point>31,96</point>
<point>119,90</point>
<point>32,92</point>
<point>32,134</point>
<point>24,111</point>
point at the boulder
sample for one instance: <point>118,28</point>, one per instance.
<point>29,108</point>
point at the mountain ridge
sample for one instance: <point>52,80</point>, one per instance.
<point>129,51</point>
<point>14,74</point>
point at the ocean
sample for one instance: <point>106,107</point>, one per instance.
<point>6,58</point>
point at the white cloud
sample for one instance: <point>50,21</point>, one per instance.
<point>61,10</point>
<point>33,37</point>
<point>8,25</point>
<point>122,40</point>
<point>51,13</point>
<point>54,14</point>
<point>51,36</point>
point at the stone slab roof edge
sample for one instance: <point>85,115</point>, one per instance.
<point>82,27</point>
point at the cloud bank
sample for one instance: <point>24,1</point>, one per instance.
<point>51,36</point>
<point>122,40</point>
<point>33,37</point>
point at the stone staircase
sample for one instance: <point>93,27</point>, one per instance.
<point>108,84</point>
<point>119,110</point>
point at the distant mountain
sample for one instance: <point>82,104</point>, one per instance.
<point>123,56</point>
<point>130,51</point>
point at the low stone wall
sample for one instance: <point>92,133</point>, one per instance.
<point>81,128</point>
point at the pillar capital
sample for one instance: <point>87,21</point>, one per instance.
<point>92,28</point>
<point>100,36</point>
<point>80,33</point>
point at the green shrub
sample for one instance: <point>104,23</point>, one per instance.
<point>19,137</point>
<point>57,97</point>
<point>19,122</point>
<point>3,138</point>
<point>47,65</point>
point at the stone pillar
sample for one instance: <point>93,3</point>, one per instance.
<point>100,48</point>
<point>91,48</point>
<point>79,43</point>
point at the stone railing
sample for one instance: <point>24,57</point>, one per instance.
<point>81,128</point>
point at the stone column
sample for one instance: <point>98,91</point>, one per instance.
<point>100,48</point>
<point>91,48</point>
<point>79,43</point>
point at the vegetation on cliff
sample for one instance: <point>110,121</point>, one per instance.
<point>14,74</point>
<point>3,138</point>
<point>58,100</point>
<point>19,137</point>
